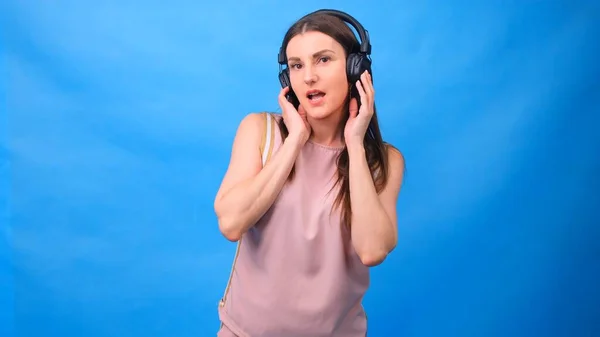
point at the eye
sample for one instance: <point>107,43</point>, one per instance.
<point>294,66</point>
<point>324,59</point>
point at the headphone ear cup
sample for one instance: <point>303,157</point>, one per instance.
<point>356,66</point>
<point>284,78</point>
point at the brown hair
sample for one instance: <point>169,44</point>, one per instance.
<point>376,149</point>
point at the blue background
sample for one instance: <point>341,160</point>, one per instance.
<point>121,114</point>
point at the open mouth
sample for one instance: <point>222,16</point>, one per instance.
<point>315,95</point>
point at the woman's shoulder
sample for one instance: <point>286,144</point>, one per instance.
<point>254,127</point>
<point>275,115</point>
<point>394,152</point>
<point>258,118</point>
<point>256,121</point>
<point>395,158</point>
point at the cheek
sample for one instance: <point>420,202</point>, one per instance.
<point>295,80</point>
<point>340,87</point>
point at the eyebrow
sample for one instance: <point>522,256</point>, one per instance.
<point>320,52</point>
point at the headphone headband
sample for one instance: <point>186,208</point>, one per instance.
<point>365,44</point>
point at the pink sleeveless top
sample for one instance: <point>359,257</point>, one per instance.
<point>293,275</point>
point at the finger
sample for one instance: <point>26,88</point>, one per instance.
<point>362,94</point>
<point>282,94</point>
<point>353,108</point>
<point>371,87</point>
<point>282,102</point>
<point>368,86</point>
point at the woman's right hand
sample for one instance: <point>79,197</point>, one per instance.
<point>295,120</point>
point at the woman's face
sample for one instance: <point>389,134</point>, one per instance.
<point>317,65</point>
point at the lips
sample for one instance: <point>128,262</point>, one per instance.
<point>314,95</point>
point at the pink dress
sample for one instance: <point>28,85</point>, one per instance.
<point>293,276</point>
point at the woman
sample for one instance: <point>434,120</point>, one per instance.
<point>312,204</point>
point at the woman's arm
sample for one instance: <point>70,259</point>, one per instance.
<point>374,222</point>
<point>248,190</point>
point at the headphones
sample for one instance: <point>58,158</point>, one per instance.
<point>356,63</point>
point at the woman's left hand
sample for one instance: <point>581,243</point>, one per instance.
<point>360,117</point>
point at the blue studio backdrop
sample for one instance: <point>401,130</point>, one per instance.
<point>120,117</point>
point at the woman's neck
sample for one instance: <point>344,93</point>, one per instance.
<point>327,131</point>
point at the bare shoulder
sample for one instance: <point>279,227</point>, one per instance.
<point>395,158</point>
<point>396,166</point>
<point>252,122</point>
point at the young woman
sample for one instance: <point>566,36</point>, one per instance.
<point>309,195</point>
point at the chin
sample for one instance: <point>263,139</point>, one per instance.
<point>319,112</point>
<point>323,111</point>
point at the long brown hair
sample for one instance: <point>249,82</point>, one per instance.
<point>375,148</point>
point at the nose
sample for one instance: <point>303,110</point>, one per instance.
<point>310,75</point>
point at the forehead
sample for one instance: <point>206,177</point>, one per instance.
<point>307,43</point>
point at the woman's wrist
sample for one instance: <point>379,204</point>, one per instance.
<point>355,148</point>
<point>297,140</point>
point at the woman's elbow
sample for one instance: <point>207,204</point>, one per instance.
<point>229,229</point>
<point>229,221</point>
<point>376,256</point>
<point>372,259</point>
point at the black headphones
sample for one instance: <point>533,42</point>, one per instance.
<point>356,63</point>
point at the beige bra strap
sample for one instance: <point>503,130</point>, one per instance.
<point>266,148</point>
<point>269,140</point>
